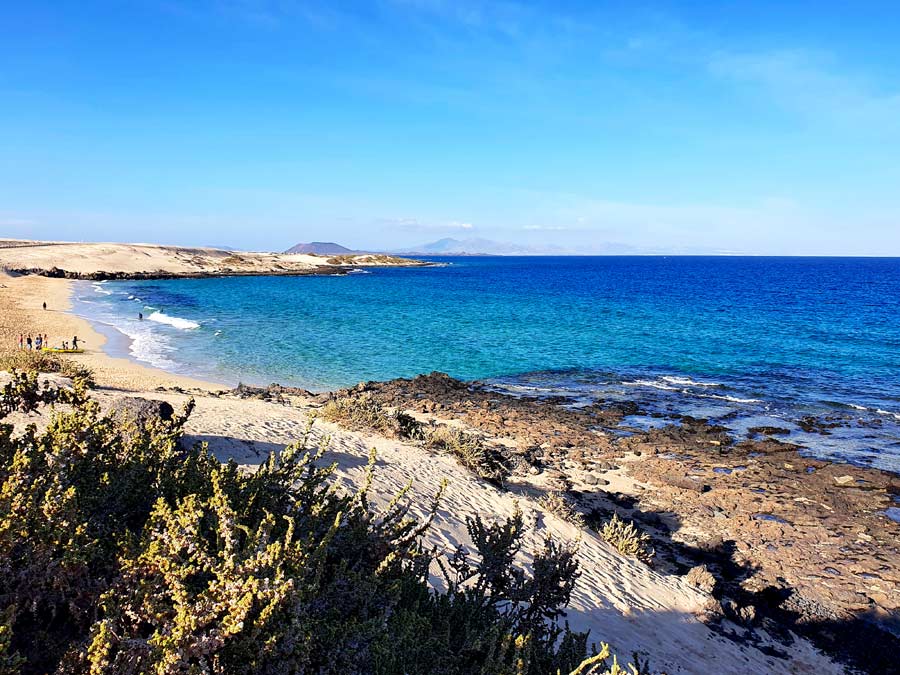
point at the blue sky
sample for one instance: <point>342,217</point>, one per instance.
<point>757,127</point>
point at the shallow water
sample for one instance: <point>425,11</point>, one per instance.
<point>745,341</point>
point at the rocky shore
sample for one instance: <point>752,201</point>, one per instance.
<point>781,541</point>
<point>101,275</point>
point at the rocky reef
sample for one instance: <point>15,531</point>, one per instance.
<point>782,541</point>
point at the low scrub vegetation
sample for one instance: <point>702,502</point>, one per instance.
<point>628,539</point>
<point>364,412</point>
<point>123,553</point>
<point>560,506</point>
<point>471,451</point>
<point>45,362</point>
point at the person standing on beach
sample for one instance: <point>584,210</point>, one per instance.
<point>44,305</point>
<point>21,341</point>
<point>75,342</point>
<point>38,342</point>
<point>28,343</point>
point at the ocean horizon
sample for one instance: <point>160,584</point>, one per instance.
<point>810,346</point>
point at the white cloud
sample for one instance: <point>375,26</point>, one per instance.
<point>812,84</point>
<point>547,228</point>
<point>417,225</point>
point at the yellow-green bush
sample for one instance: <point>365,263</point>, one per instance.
<point>628,539</point>
<point>123,553</point>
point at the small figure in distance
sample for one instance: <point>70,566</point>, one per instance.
<point>21,341</point>
<point>44,305</point>
<point>28,343</point>
<point>75,342</point>
<point>140,316</point>
<point>65,345</point>
<point>38,342</point>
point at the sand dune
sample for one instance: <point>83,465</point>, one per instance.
<point>123,260</point>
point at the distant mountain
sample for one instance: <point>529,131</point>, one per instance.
<point>321,248</point>
<point>475,246</point>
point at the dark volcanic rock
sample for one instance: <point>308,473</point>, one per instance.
<point>142,410</point>
<point>273,393</point>
<point>769,431</point>
<point>555,428</point>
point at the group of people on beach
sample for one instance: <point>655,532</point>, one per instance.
<point>39,342</point>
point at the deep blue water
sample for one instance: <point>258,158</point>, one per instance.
<point>747,341</point>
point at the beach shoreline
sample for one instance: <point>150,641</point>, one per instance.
<point>21,299</point>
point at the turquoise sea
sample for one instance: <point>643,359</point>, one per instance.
<point>745,341</point>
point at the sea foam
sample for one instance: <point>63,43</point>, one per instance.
<point>174,321</point>
<point>688,382</point>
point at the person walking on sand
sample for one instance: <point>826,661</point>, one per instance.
<point>28,343</point>
<point>75,342</point>
<point>21,341</point>
<point>44,305</point>
<point>38,342</point>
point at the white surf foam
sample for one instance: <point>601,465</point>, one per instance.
<point>650,383</point>
<point>174,321</point>
<point>688,382</point>
<point>733,399</point>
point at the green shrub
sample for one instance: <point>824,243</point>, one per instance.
<point>46,362</point>
<point>363,412</point>
<point>471,451</point>
<point>121,552</point>
<point>628,540</point>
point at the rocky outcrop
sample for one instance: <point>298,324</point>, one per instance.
<point>57,273</point>
<point>141,410</point>
<point>781,540</point>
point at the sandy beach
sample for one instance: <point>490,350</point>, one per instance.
<point>21,312</point>
<point>618,599</point>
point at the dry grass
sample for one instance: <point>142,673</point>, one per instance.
<point>366,413</point>
<point>471,451</point>
<point>561,507</point>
